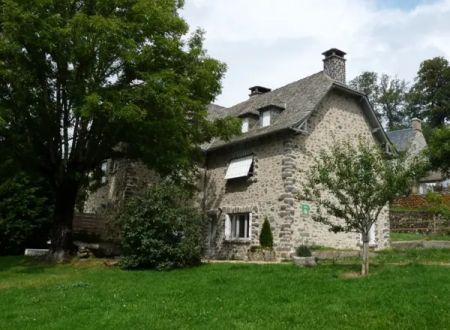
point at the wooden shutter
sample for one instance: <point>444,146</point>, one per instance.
<point>227,226</point>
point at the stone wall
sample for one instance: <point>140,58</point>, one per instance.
<point>282,162</point>
<point>257,194</point>
<point>89,224</point>
<point>418,222</point>
<point>124,177</point>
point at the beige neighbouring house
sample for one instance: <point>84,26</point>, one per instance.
<point>259,173</point>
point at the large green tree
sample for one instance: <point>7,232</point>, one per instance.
<point>386,94</point>
<point>429,100</point>
<point>82,81</point>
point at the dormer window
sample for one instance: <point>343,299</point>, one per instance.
<point>245,125</point>
<point>265,118</point>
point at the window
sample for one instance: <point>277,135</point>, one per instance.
<point>245,125</point>
<point>239,167</point>
<point>237,226</point>
<point>265,118</point>
<point>104,171</point>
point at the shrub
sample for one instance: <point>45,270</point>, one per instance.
<point>265,237</point>
<point>160,229</point>
<point>303,251</point>
<point>24,215</point>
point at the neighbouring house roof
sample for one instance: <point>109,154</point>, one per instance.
<point>433,176</point>
<point>298,99</point>
<point>216,111</point>
<point>402,138</point>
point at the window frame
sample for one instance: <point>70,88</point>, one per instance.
<point>238,226</point>
<point>245,125</point>
<point>266,114</point>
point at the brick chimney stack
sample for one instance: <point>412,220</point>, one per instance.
<point>334,64</point>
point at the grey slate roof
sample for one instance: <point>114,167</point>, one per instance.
<point>216,111</point>
<point>401,138</point>
<point>298,99</point>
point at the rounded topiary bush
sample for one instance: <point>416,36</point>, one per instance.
<point>266,237</point>
<point>161,229</point>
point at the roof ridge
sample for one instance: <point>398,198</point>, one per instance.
<point>272,92</point>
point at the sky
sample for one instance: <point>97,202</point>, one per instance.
<point>274,42</point>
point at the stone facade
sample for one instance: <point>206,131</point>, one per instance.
<point>309,115</point>
<point>123,178</point>
<point>281,165</point>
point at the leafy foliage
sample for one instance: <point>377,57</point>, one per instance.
<point>430,100</point>
<point>265,237</point>
<point>438,205</point>
<point>430,95</point>
<point>161,229</point>
<point>303,251</point>
<point>386,94</point>
<point>353,182</point>
<point>24,215</point>
<point>84,81</point>
<point>439,149</point>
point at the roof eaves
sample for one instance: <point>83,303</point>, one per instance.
<point>249,138</point>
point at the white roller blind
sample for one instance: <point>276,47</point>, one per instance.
<point>239,168</point>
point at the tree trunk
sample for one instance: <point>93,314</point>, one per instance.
<point>365,256</point>
<point>61,238</point>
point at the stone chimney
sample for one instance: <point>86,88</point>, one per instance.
<point>257,90</point>
<point>334,64</point>
<point>416,124</point>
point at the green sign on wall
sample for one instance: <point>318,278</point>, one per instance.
<point>305,209</point>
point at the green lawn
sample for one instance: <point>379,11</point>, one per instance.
<point>418,236</point>
<point>88,295</point>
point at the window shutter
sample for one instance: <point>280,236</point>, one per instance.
<point>227,226</point>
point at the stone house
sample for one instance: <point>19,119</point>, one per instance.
<point>412,141</point>
<point>258,174</point>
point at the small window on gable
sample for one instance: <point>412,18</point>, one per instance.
<point>265,118</point>
<point>245,125</point>
<point>239,168</point>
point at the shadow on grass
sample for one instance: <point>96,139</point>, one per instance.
<point>26,265</point>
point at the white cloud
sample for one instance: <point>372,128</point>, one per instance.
<point>274,42</point>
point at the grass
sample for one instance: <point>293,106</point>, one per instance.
<point>418,236</point>
<point>88,295</point>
